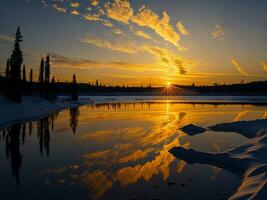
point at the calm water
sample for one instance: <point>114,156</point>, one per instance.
<point>119,151</point>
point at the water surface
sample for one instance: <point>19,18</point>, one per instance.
<point>119,151</point>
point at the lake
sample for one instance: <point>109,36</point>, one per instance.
<point>120,151</point>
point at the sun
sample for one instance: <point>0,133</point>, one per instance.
<point>169,84</point>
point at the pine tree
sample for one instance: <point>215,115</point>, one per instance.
<point>47,69</point>
<point>7,73</point>
<point>41,77</point>
<point>41,72</point>
<point>47,77</point>
<point>74,92</point>
<point>16,60</point>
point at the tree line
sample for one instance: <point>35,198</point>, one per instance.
<point>17,84</point>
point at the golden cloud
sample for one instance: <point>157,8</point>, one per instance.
<point>218,33</point>
<point>119,10</point>
<point>77,63</point>
<point>238,67</point>
<point>264,64</point>
<point>130,48</point>
<point>74,12</point>
<point>59,9</point>
<point>94,2</point>
<point>75,4</point>
<point>169,59</point>
<point>147,18</point>
<point>142,34</point>
<point>182,28</point>
<point>7,38</point>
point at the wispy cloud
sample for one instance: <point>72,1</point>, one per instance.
<point>75,12</point>
<point>7,38</point>
<point>182,28</point>
<point>264,64</point>
<point>218,33</point>
<point>59,60</point>
<point>168,59</point>
<point>147,18</point>
<point>75,4</point>
<point>59,9</point>
<point>143,34</point>
<point>94,2</point>
<point>130,48</point>
<point>239,67</point>
<point>119,10</point>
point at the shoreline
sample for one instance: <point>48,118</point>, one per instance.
<point>36,107</point>
<point>33,108</point>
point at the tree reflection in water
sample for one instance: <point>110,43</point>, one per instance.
<point>15,135</point>
<point>74,122</point>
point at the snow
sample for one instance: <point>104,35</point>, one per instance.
<point>33,107</point>
<point>248,160</point>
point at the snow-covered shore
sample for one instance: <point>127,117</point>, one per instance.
<point>249,161</point>
<point>33,107</point>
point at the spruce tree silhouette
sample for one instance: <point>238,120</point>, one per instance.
<point>41,77</point>
<point>13,150</point>
<point>16,59</point>
<point>74,115</point>
<point>47,69</point>
<point>47,76</point>
<point>74,89</point>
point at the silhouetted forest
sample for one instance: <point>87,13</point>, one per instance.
<point>16,83</point>
<point>15,136</point>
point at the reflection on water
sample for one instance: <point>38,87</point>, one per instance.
<point>119,151</point>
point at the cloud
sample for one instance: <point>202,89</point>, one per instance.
<point>78,63</point>
<point>239,67</point>
<point>130,48</point>
<point>117,31</point>
<point>92,17</point>
<point>182,28</point>
<point>7,38</point>
<point>119,10</point>
<point>59,9</point>
<point>74,12</point>
<point>75,4</point>
<point>94,2</point>
<point>147,18</point>
<point>142,34</point>
<point>96,17</point>
<point>171,60</point>
<point>264,64</point>
<point>218,33</point>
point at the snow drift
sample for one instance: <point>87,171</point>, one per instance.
<point>248,160</point>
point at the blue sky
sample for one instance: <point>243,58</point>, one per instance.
<point>141,42</point>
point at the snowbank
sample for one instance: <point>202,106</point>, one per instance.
<point>248,161</point>
<point>32,107</point>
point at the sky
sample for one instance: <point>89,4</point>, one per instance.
<point>140,42</point>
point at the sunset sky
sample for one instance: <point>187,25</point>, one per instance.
<point>132,42</point>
